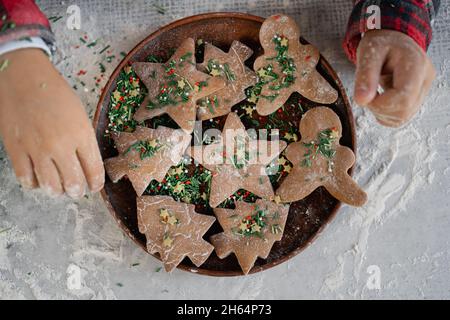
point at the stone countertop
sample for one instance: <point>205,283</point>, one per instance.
<point>402,234</point>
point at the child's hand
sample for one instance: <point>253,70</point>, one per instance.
<point>396,62</point>
<point>45,129</point>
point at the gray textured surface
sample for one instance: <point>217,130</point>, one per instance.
<point>404,230</point>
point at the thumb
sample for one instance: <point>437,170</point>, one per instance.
<point>369,63</point>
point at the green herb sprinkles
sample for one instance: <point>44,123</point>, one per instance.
<point>177,88</point>
<point>322,146</point>
<point>215,69</point>
<point>252,225</point>
<point>146,149</point>
<point>268,77</point>
<point>255,223</point>
<point>125,100</point>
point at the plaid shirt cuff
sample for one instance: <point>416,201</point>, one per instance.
<point>412,17</point>
<point>22,19</point>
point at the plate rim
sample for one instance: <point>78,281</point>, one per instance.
<point>185,21</point>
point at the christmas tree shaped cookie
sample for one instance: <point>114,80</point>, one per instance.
<point>175,86</point>
<point>319,160</point>
<point>286,67</point>
<point>230,67</point>
<point>249,231</point>
<point>237,162</point>
<point>174,230</point>
<point>146,154</point>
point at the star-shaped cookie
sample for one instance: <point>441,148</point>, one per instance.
<point>230,67</point>
<point>146,154</point>
<point>175,86</point>
<point>174,230</point>
<point>249,231</point>
<point>237,162</point>
<point>287,66</point>
<point>319,160</point>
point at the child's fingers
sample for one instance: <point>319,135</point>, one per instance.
<point>398,104</point>
<point>72,175</point>
<point>391,108</point>
<point>408,76</point>
<point>23,168</point>
<point>386,81</point>
<point>368,70</point>
<point>47,175</point>
<point>393,101</point>
<point>92,165</point>
<point>429,77</point>
<point>386,120</point>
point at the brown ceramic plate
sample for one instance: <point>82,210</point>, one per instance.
<point>306,217</point>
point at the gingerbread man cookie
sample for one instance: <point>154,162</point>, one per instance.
<point>319,160</point>
<point>174,230</point>
<point>146,154</point>
<point>175,86</point>
<point>249,231</point>
<point>287,66</point>
<point>230,67</point>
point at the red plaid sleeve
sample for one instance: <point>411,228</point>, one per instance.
<point>22,19</point>
<point>412,17</point>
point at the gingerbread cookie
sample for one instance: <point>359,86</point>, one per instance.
<point>287,66</point>
<point>175,86</point>
<point>174,230</point>
<point>237,162</point>
<point>230,67</point>
<point>146,154</point>
<point>319,160</point>
<point>249,231</point>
